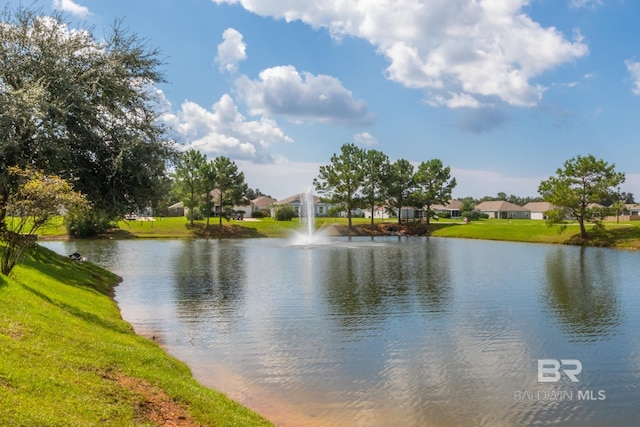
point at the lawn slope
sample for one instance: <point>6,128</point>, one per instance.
<point>68,359</point>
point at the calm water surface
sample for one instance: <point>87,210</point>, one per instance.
<point>389,332</point>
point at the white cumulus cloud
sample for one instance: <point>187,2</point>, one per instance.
<point>634,71</point>
<point>71,7</point>
<point>231,51</point>
<point>472,48</point>
<point>223,130</point>
<point>302,96</point>
<point>366,139</point>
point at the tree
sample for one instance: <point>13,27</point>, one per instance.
<point>399,185</point>
<point>230,184</point>
<point>376,173</point>
<point>39,198</point>
<point>433,185</point>
<point>190,179</point>
<point>81,108</point>
<point>341,180</point>
<point>581,182</point>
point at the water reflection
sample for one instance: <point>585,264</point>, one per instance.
<point>580,291</point>
<point>209,276</point>
<point>388,332</point>
<point>380,280</point>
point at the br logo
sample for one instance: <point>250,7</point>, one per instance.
<point>551,370</point>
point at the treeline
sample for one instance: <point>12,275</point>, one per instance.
<point>358,178</point>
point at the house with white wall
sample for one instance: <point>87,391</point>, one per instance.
<point>501,209</point>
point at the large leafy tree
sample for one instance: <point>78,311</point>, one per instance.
<point>230,183</point>
<point>433,185</point>
<point>582,182</point>
<point>376,173</point>
<point>342,179</point>
<point>399,185</point>
<point>81,108</point>
<point>190,179</point>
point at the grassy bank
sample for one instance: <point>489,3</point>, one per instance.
<point>68,359</point>
<point>623,235</point>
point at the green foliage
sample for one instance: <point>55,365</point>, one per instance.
<point>399,185</point>
<point>433,184</point>
<point>229,182</point>
<point>38,199</point>
<point>81,108</point>
<point>190,180</point>
<point>262,213</point>
<point>582,182</point>
<point>376,177</point>
<point>285,213</point>
<point>341,181</point>
<point>89,223</point>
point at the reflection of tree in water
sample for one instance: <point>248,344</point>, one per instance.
<point>433,277</point>
<point>384,279</point>
<point>580,290</point>
<point>209,275</point>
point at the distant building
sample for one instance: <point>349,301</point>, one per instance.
<point>501,209</point>
<point>297,201</point>
<point>539,209</point>
<point>262,202</point>
<point>453,208</point>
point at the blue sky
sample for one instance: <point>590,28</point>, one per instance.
<point>503,91</point>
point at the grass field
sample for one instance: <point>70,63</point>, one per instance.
<point>68,359</point>
<point>623,235</point>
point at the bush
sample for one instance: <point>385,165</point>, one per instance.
<point>87,224</point>
<point>262,213</point>
<point>285,213</point>
<point>474,215</point>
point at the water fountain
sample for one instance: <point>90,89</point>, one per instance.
<point>308,235</point>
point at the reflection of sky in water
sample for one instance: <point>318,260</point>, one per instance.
<point>392,331</point>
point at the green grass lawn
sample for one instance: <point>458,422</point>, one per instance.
<point>68,359</point>
<point>624,235</point>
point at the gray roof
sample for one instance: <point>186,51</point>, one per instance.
<point>499,206</point>
<point>295,199</point>
<point>453,205</point>
<point>539,206</point>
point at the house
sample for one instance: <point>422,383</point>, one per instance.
<point>379,212</point>
<point>501,209</point>
<point>297,201</point>
<point>262,202</point>
<point>215,198</point>
<point>633,211</point>
<point>176,209</point>
<point>453,209</point>
<point>539,209</point>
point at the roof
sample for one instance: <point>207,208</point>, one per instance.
<point>539,206</point>
<point>453,205</point>
<point>263,202</point>
<point>296,198</point>
<point>500,206</point>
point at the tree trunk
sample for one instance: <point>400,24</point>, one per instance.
<point>372,209</point>
<point>583,230</point>
<point>220,211</point>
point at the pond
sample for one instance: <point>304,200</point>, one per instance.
<point>392,331</point>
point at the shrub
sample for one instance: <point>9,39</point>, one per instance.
<point>285,213</point>
<point>87,224</point>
